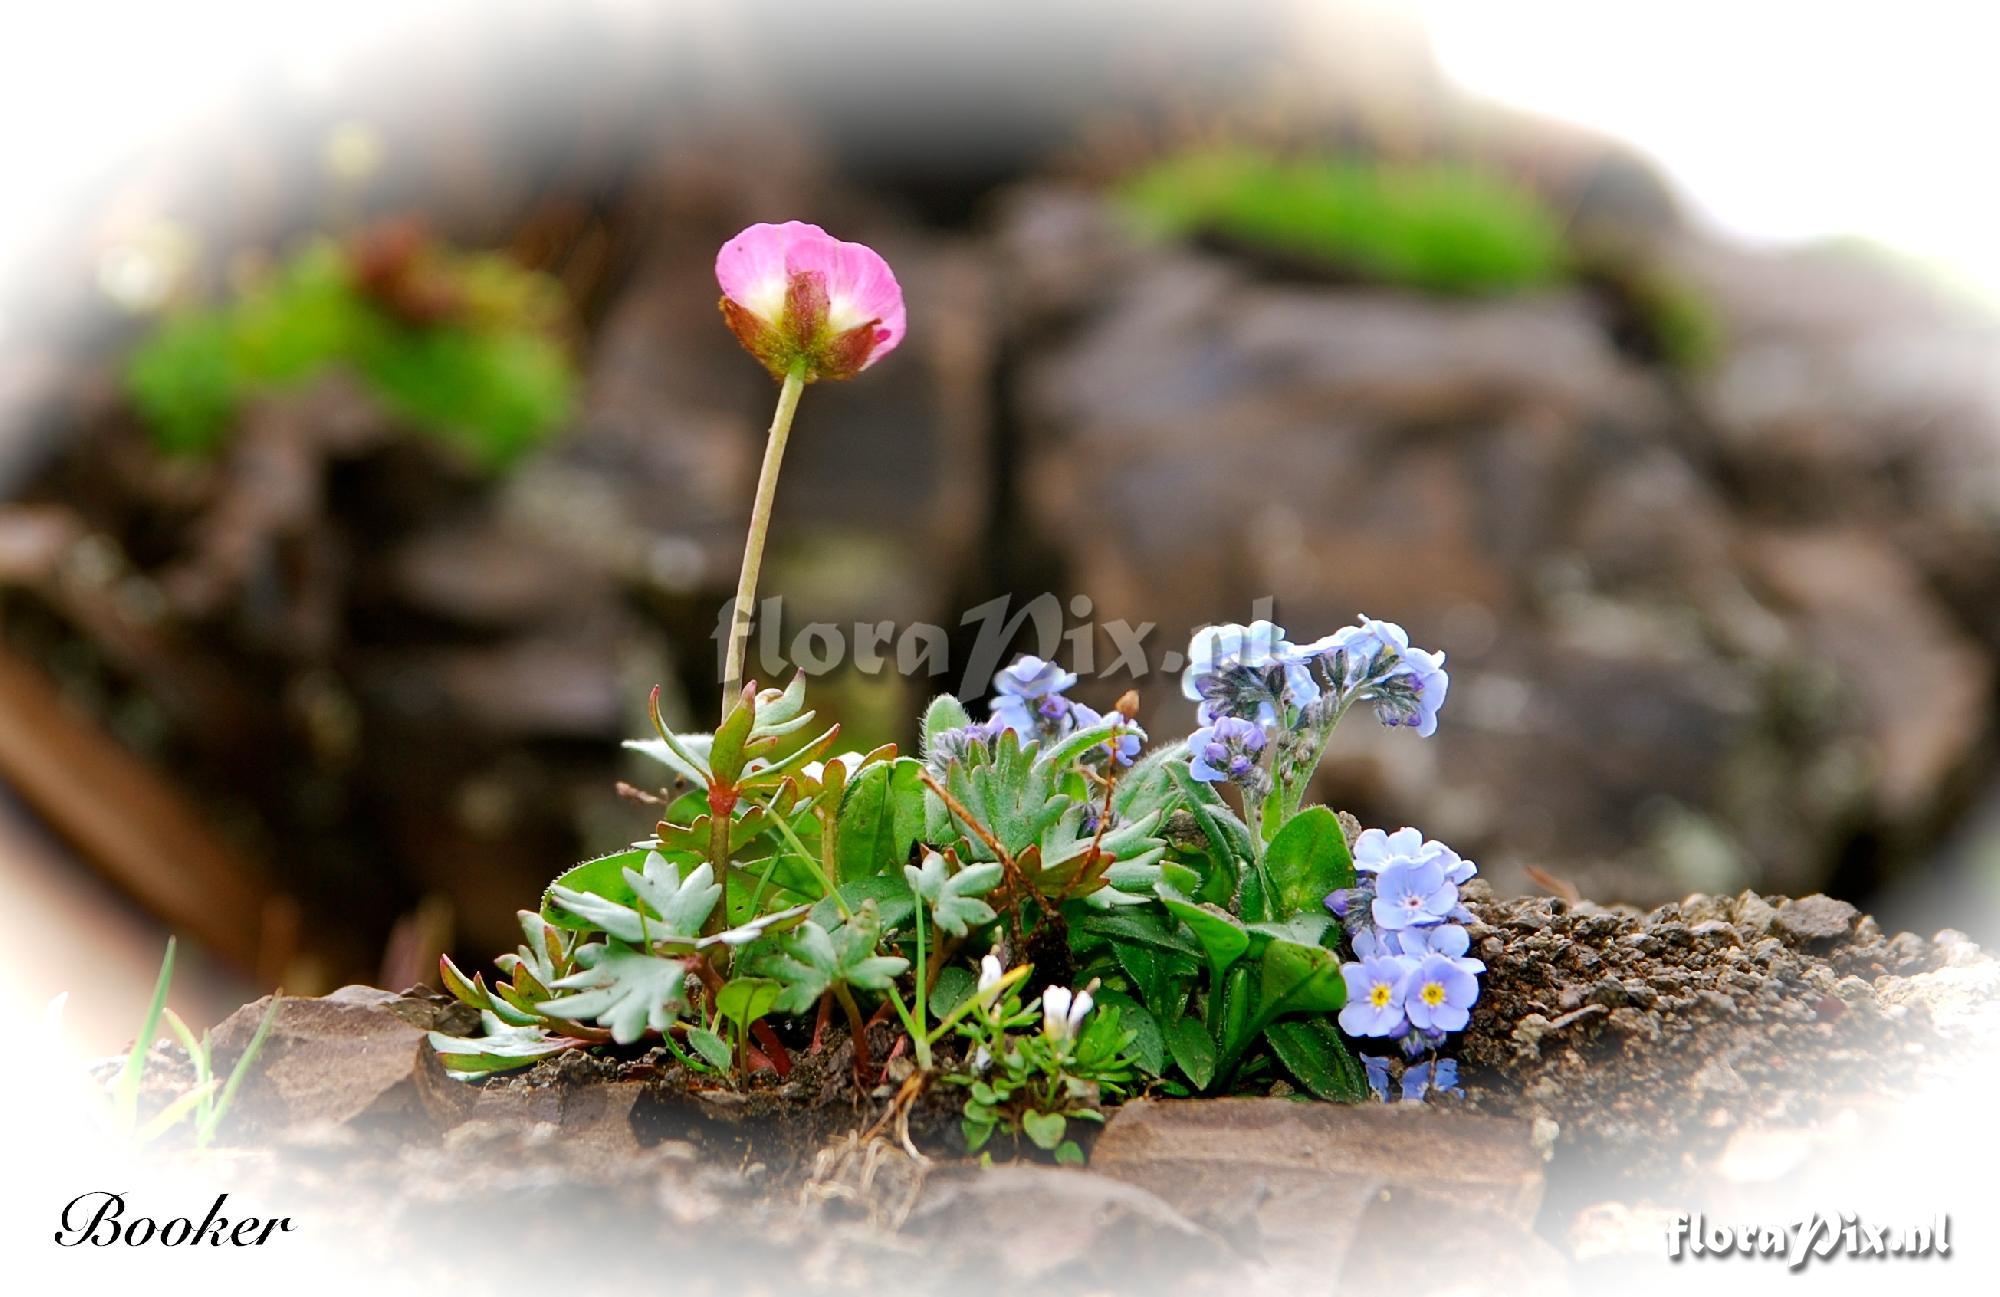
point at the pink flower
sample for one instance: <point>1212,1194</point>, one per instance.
<point>795,296</point>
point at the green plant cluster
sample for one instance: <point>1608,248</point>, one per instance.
<point>1444,227</point>
<point>786,882</point>
<point>486,372</point>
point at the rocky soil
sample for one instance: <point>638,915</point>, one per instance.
<point>1619,1060</point>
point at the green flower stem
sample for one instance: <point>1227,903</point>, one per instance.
<point>760,526</point>
<point>1294,792</point>
<point>791,838</point>
<point>919,1037</point>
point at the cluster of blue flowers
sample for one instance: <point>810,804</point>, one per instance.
<point>1029,700</point>
<point>1411,980</point>
<point>1418,1079</point>
<point>1267,704</point>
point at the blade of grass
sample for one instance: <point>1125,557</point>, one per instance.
<point>237,1073</point>
<point>125,1097</point>
<point>198,1051</point>
<point>170,1116</point>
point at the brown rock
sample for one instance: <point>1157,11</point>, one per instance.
<point>1815,918</point>
<point>1296,1180</point>
<point>359,1055</point>
<point>1043,1223</point>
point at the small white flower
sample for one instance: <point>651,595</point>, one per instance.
<point>1063,1013</point>
<point>989,975</point>
<point>981,1060</point>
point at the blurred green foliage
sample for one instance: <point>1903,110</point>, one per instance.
<point>1440,226</point>
<point>1684,327</point>
<point>464,346</point>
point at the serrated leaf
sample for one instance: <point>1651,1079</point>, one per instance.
<point>1148,788</point>
<point>600,876</point>
<point>1306,861</point>
<point>664,905</point>
<point>812,960</point>
<point>953,897</point>
<point>1193,1050</point>
<point>624,990</point>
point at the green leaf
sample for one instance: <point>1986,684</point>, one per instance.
<point>500,1048</point>
<point>725,753</point>
<point>1228,839</point>
<point>890,893</point>
<point>1142,965</point>
<point>1045,1129</point>
<point>1312,1051</point>
<point>1141,927</point>
<point>880,816</point>
<point>623,989</point>
<point>1148,1047</point>
<point>1297,978</point>
<point>953,985</point>
<point>1193,1050</point>
<point>713,1049</point>
<point>1306,861</point>
<point>1223,940</point>
<point>944,713</point>
<point>462,988</point>
<point>746,999</point>
<point>953,897</point>
<point>602,876</point>
<point>1075,745</point>
<point>977,1131</point>
<point>686,755</point>
<point>664,905</point>
<point>1069,1153</point>
<point>812,960</point>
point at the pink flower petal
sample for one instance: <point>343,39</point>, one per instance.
<point>859,286</point>
<point>751,266</point>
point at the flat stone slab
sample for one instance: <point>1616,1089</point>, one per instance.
<point>1315,1189</point>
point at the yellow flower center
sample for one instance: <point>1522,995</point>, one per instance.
<point>1378,995</point>
<point>1433,993</point>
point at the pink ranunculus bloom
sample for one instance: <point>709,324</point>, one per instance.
<point>795,296</point>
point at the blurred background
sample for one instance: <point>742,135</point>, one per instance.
<point>370,444</point>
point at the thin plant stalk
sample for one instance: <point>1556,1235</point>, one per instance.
<point>760,526</point>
